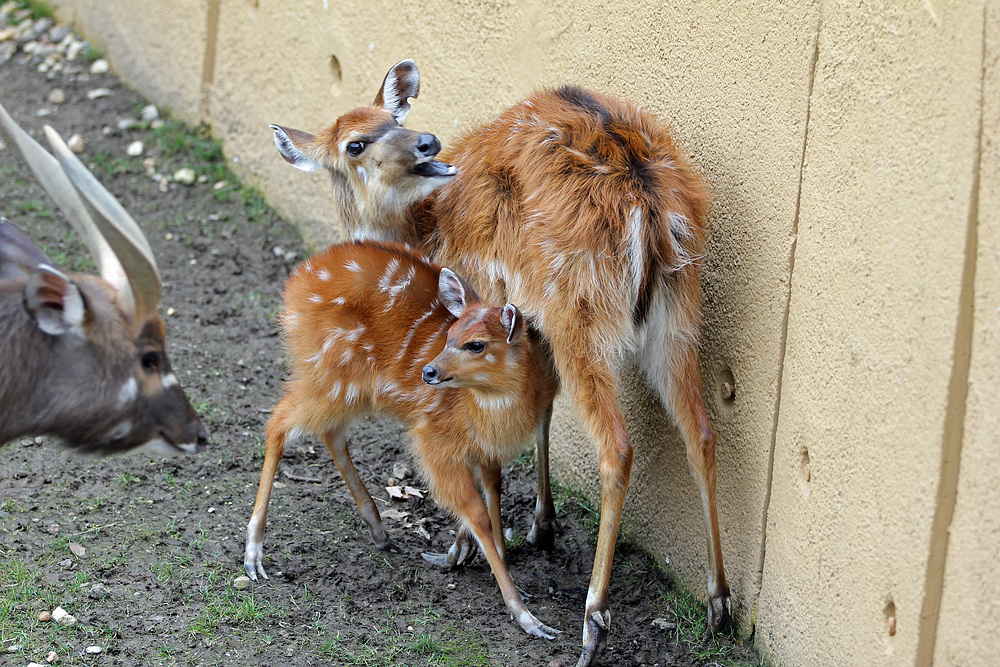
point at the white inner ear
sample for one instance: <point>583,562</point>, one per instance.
<point>508,318</point>
<point>293,155</point>
<point>55,318</point>
<point>451,292</point>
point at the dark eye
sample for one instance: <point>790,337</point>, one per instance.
<point>355,148</point>
<point>151,361</point>
<point>475,346</point>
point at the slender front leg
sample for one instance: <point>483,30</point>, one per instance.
<point>545,526</point>
<point>278,428</point>
<point>455,488</point>
<point>336,444</point>
<point>489,474</point>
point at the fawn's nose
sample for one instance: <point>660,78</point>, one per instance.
<point>428,145</point>
<point>430,374</point>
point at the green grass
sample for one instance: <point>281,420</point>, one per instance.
<point>38,8</point>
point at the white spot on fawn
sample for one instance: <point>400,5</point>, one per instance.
<point>353,266</point>
<point>323,274</point>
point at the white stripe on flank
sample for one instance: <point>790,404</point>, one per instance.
<point>636,243</point>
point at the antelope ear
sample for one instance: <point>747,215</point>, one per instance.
<point>18,255</point>
<point>54,301</point>
<point>513,323</point>
<point>292,145</point>
<point>455,293</point>
<point>400,84</point>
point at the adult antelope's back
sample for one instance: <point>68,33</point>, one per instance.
<point>579,208</point>
<point>83,358</point>
<point>377,329</point>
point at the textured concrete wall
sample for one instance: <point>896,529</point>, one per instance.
<point>158,46</point>
<point>851,285</point>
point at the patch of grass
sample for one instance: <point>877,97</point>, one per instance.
<point>103,162</point>
<point>38,9</point>
<point>570,500</point>
<point>195,146</point>
<point>35,208</point>
<point>228,607</point>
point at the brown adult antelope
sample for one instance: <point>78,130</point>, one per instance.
<point>581,209</point>
<point>83,358</point>
<point>375,328</point>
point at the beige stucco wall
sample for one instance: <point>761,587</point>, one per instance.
<point>851,288</point>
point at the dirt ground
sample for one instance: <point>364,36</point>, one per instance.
<point>143,551</point>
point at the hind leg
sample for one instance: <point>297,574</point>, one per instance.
<point>279,428</point>
<point>672,365</point>
<point>546,525</point>
<point>336,444</point>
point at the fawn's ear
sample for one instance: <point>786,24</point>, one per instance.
<point>513,323</point>
<point>293,145</point>
<point>54,301</point>
<point>400,84</point>
<point>455,293</point>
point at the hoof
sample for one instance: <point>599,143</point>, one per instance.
<point>720,615</point>
<point>543,534</point>
<point>595,638</point>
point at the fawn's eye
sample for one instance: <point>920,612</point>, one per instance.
<point>151,361</point>
<point>476,347</point>
<point>354,148</point>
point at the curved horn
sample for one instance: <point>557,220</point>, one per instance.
<point>116,242</point>
<point>116,226</point>
<point>52,177</point>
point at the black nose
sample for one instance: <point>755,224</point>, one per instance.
<point>202,437</point>
<point>428,145</point>
<point>430,374</point>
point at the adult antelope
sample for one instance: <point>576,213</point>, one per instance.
<point>83,358</point>
<point>581,209</point>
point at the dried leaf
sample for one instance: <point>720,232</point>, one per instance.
<point>393,513</point>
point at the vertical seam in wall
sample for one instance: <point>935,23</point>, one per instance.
<point>954,421</point>
<point>784,324</point>
<point>208,65</point>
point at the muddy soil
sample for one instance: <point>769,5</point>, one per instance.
<point>143,551</point>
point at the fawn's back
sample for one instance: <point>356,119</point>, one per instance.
<point>362,321</point>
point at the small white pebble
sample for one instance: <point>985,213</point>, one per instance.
<point>135,149</point>
<point>100,66</point>
<point>97,92</point>
<point>241,583</point>
<point>170,311</point>
<point>51,657</point>
<point>219,185</point>
<point>57,96</point>
<point>94,650</point>
<point>75,143</point>
<point>58,614</point>
<point>169,236</point>
<point>149,113</point>
<point>14,648</point>
<point>185,175</point>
